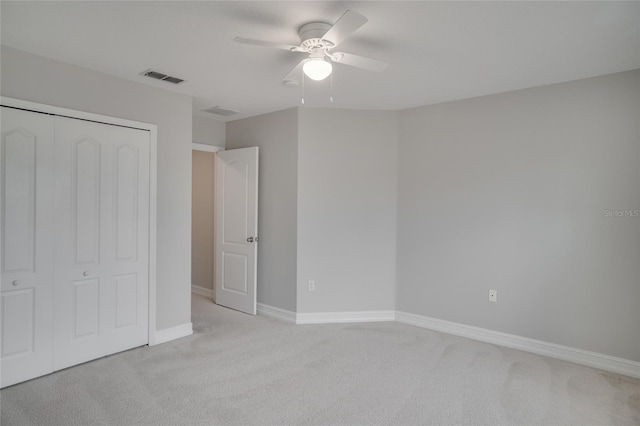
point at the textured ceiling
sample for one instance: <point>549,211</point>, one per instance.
<point>438,51</point>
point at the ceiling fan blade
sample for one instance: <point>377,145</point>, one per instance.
<point>348,23</point>
<point>359,61</point>
<point>263,43</point>
<point>296,72</point>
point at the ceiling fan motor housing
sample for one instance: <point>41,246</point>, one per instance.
<point>311,36</point>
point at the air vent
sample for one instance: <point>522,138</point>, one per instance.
<point>159,76</point>
<point>217,110</point>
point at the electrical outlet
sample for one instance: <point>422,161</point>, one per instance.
<point>311,285</point>
<point>493,295</point>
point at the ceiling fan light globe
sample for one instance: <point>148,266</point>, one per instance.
<point>317,69</point>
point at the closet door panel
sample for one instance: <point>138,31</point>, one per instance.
<point>85,192</point>
<point>19,195</point>
<point>80,288</point>
<point>129,256</point>
<point>18,312</point>
<point>126,206</point>
<point>102,254</point>
<point>26,229</point>
<point>85,308</point>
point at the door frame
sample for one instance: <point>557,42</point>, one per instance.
<point>196,146</point>
<point>153,170</point>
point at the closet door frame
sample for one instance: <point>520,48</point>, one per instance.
<point>153,160</point>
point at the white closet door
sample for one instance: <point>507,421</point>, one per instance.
<point>127,321</point>
<point>102,245</point>
<point>27,227</point>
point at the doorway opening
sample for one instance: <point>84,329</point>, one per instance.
<point>203,220</point>
<point>225,226</point>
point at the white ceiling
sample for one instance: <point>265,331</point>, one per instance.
<point>438,51</point>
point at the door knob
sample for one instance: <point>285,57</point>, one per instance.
<point>85,273</point>
<point>16,283</point>
<point>250,239</point>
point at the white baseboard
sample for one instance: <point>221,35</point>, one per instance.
<point>343,317</point>
<point>273,312</point>
<point>324,317</point>
<point>206,292</point>
<point>566,353</point>
<point>173,333</point>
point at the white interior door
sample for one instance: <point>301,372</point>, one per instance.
<point>236,213</point>
<point>27,245</point>
<point>102,240</point>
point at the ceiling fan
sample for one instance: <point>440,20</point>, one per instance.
<point>318,39</point>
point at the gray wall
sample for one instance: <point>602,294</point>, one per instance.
<point>33,78</point>
<point>347,168</point>
<point>208,131</point>
<point>510,192</point>
<point>276,134</point>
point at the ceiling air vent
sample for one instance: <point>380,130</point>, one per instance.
<point>159,76</point>
<point>217,110</point>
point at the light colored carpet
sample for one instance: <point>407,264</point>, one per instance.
<point>238,369</point>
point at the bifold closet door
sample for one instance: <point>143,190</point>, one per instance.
<point>27,245</point>
<point>101,240</point>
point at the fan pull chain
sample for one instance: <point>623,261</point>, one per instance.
<point>331,91</point>
<point>302,100</point>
